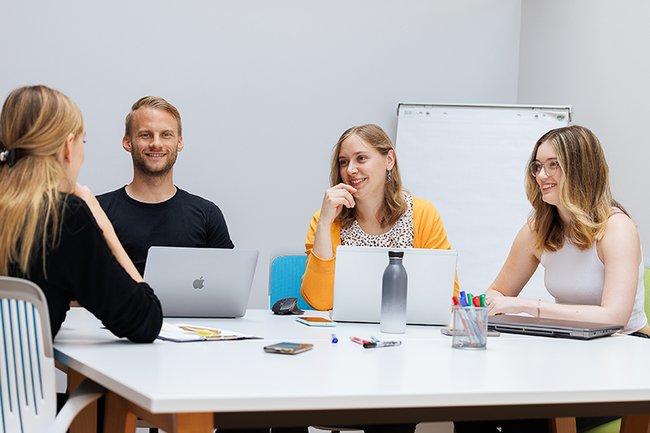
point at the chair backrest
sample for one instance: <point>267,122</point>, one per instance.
<point>28,395</point>
<point>285,278</point>
<point>646,284</point>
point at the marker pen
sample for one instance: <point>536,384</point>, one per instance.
<point>361,341</point>
<point>460,303</point>
<point>387,343</point>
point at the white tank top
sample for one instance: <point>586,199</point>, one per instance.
<point>575,276</point>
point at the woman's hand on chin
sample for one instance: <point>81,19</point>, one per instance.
<point>84,193</point>
<point>335,198</point>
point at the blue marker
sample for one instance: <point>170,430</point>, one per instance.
<point>334,339</point>
<point>462,299</point>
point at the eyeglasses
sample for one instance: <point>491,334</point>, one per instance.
<point>550,167</point>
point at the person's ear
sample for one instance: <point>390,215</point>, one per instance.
<point>390,160</point>
<point>181,146</point>
<point>67,149</point>
<point>126,144</point>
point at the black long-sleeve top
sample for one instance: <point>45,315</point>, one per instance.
<point>80,266</point>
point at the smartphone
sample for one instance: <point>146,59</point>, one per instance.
<point>450,332</point>
<point>315,321</point>
<point>288,348</point>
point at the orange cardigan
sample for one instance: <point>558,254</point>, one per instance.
<point>318,281</point>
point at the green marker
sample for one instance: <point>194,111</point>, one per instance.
<point>482,298</point>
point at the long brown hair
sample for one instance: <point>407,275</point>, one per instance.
<point>584,191</point>
<point>35,122</point>
<point>394,203</point>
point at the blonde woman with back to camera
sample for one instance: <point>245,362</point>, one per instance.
<point>53,230</point>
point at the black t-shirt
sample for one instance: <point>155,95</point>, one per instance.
<point>80,266</point>
<point>185,220</point>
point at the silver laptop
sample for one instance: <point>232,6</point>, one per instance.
<point>358,279</point>
<point>201,282</point>
<point>551,327</point>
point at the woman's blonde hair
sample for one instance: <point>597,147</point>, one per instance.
<point>394,202</point>
<point>584,191</point>
<point>34,124</point>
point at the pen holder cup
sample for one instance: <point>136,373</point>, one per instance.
<point>470,328</point>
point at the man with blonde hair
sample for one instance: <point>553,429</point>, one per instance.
<point>151,210</point>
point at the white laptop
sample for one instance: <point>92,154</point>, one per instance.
<point>201,282</point>
<point>358,278</point>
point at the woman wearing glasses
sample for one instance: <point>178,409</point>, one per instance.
<point>585,240</point>
<point>588,245</point>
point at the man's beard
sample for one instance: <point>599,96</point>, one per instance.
<point>140,165</point>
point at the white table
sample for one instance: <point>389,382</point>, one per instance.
<point>236,383</point>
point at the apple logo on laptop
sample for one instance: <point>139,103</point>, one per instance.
<point>198,284</point>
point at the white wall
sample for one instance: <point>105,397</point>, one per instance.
<point>264,87</point>
<point>593,54</point>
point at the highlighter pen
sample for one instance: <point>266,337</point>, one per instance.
<point>203,332</point>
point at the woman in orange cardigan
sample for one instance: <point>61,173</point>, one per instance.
<point>366,206</point>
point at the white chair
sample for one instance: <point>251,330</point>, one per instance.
<point>27,389</point>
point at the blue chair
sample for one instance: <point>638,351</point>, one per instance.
<point>285,277</point>
<point>27,391</point>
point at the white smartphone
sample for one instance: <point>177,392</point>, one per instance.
<point>315,321</point>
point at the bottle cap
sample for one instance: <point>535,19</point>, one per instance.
<point>396,254</point>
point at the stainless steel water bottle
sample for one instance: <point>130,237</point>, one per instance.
<point>393,295</point>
